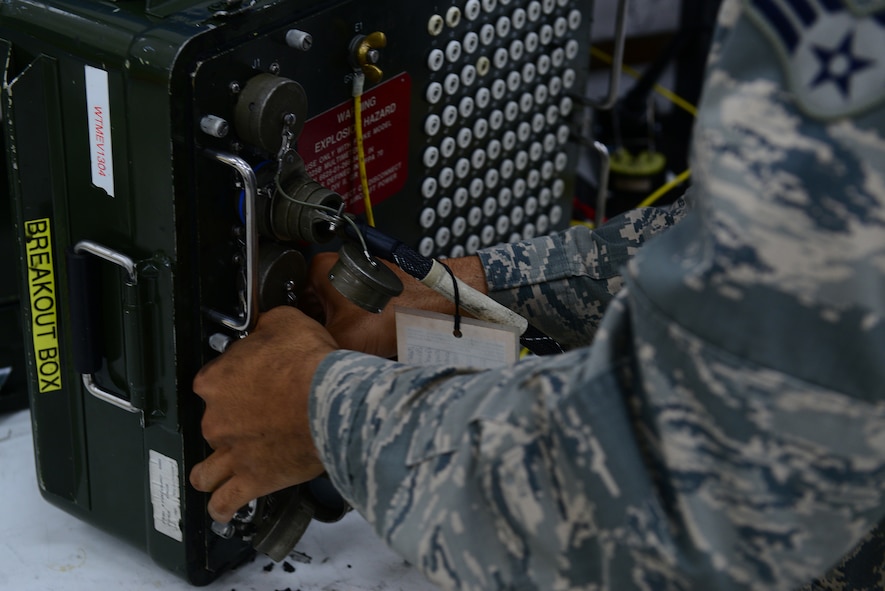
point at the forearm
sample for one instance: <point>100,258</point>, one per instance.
<point>401,444</point>
<point>564,282</point>
<point>561,283</point>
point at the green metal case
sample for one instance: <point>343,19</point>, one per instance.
<point>13,385</point>
<point>95,459</point>
<point>135,134</point>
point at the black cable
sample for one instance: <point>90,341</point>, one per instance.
<point>539,343</point>
<point>409,261</point>
<point>457,331</point>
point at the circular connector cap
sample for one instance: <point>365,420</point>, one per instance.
<point>368,284</point>
<point>262,108</point>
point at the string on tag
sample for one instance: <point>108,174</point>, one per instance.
<point>457,329</point>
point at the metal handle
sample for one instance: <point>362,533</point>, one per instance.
<point>617,60</point>
<point>88,372</point>
<point>250,191</point>
<point>110,255</point>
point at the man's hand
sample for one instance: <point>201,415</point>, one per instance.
<point>256,418</point>
<point>355,329</point>
<point>351,326</point>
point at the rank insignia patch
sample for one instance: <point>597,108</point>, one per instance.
<point>833,51</point>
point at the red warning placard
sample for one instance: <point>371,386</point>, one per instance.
<point>327,144</point>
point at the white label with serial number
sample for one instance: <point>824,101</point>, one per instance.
<point>165,495</point>
<point>98,111</point>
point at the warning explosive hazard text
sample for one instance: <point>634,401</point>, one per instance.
<point>43,300</point>
<point>328,144</point>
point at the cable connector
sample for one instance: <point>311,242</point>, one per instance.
<point>359,82</point>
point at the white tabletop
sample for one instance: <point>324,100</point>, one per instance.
<point>44,548</point>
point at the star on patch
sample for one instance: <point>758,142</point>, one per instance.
<point>831,52</point>
<point>839,65</point>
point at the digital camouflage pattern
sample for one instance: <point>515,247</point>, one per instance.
<point>725,428</point>
<point>564,282</point>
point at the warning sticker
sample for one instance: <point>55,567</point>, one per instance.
<point>41,289</point>
<point>328,144</point>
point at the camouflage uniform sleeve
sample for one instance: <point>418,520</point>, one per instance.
<point>677,469</point>
<point>563,282</point>
<point>725,429</point>
<point>504,479</point>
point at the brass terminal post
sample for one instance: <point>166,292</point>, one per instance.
<point>365,53</point>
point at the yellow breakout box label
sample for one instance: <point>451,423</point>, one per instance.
<point>41,288</point>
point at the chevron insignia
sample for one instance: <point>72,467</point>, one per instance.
<point>833,51</point>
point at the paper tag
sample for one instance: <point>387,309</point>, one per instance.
<point>426,338</point>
